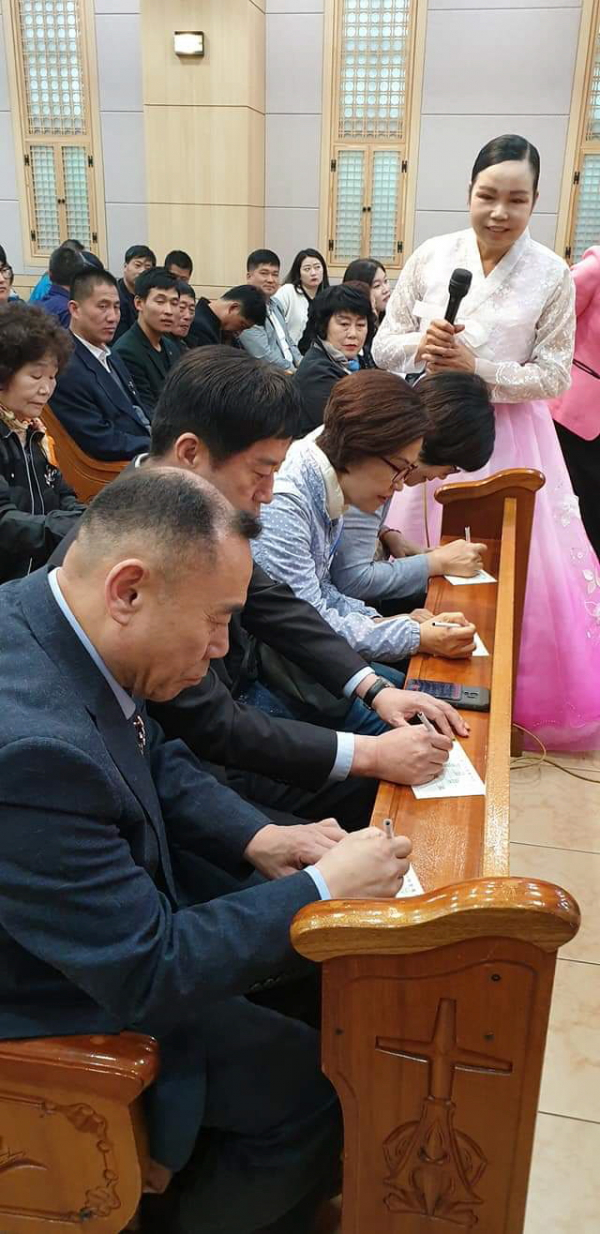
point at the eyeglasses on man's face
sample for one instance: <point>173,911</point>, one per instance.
<point>400,472</point>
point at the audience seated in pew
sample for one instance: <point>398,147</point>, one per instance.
<point>95,934</point>
<point>65,264</point>
<point>138,258</point>
<point>223,416</point>
<point>95,398</point>
<point>272,341</point>
<point>146,348</point>
<point>180,265</point>
<point>340,322</point>
<point>180,333</point>
<point>374,562</point>
<point>372,437</point>
<point>37,508</point>
<point>221,320</point>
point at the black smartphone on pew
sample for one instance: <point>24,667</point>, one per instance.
<point>469,698</point>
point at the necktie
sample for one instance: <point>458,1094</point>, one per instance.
<point>140,732</point>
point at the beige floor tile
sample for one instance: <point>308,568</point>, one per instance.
<point>571,1076</point>
<point>564,1194</point>
<point>548,807</point>
<point>578,873</point>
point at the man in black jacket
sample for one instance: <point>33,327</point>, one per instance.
<point>146,348</point>
<point>230,418</point>
<point>95,398</point>
<point>221,320</point>
<point>137,259</point>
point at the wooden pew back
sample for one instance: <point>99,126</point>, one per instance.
<point>436,1008</point>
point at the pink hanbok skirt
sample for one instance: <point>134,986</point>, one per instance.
<point>558,683</point>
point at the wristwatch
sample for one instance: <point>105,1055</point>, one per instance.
<point>380,683</point>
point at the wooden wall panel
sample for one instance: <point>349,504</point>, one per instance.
<point>206,155</point>
<point>219,238</point>
<point>232,72</point>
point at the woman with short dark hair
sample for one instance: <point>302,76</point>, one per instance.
<point>341,320</point>
<point>515,329</point>
<point>307,276</point>
<point>37,508</point>
<point>370,442</point>
<point>375,561</point>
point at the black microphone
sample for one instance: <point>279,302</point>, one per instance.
<point>458,288</point>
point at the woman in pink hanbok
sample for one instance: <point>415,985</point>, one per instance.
<point>515,328</point>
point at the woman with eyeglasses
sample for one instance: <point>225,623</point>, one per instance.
<point>307,277</point>
<point>371,440</point>
<point>378,563</point>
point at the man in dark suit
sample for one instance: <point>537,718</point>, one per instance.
<point>100,813</point>
<point>146,349</point>
<point>137,259</point>
<point>230,418</point>
<point>95,398</point>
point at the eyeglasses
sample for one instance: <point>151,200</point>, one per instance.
<point>400,473</point>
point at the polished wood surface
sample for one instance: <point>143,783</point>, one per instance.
<point>436,1007</point>
<point>72,1139</point>
<point>85,475</point>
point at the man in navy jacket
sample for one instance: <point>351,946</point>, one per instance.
<point>100,813</point>
<point>95,398</point>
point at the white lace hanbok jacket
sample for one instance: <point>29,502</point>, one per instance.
<point>519,320</point>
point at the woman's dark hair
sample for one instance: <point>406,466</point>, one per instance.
<point>339,299</point>
<point>510,148</point>
<point>228,399</point>
<point>28,334</point>
<point>370,414</point>
<point>293,275</point>
<point>3,261</point>
<point>363,270</point>
<point>462,422</point>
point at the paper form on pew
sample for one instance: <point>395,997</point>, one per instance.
<point>482,576</point>
<point>410,886</point>
<point>480,647</point>
<point>458,779</point>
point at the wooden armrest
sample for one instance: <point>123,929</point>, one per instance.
<point>504,482</point>
<point>524,909</point>
<point>118,1067</point>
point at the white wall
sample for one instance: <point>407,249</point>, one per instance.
<point>118,43</point>
<point>505,66</point>
<point>491,67</point>
<point>293,125</point>
<point>119,65</point>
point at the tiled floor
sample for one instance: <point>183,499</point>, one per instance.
<point>555,832</point>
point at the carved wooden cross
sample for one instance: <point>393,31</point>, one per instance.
<point>443,1053</point>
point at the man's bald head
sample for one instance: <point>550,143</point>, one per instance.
<point>171,516</point>
<point>160,564</point>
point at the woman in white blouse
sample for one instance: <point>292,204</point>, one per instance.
<point>308,275</point>
<point>515,329</point>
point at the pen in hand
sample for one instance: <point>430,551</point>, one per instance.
<point>388,827</point>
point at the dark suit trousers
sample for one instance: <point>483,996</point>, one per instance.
<point>269,1149</point>
<point>583,462</point>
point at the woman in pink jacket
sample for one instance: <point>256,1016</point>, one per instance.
<point>577,413</point>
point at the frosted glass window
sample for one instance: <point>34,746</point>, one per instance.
<point>75,177</point>
<point>384,204</point>
<point>593,117</point>
<point>46,221</point>
<point>349,204</point>
<point>374,51</point>
<point>587,226</point>
<point>50,35</point>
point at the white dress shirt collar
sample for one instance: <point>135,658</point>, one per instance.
<point>124,699</point>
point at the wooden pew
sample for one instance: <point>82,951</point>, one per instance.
<point>435,1009</point>
<point>84,474</point>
